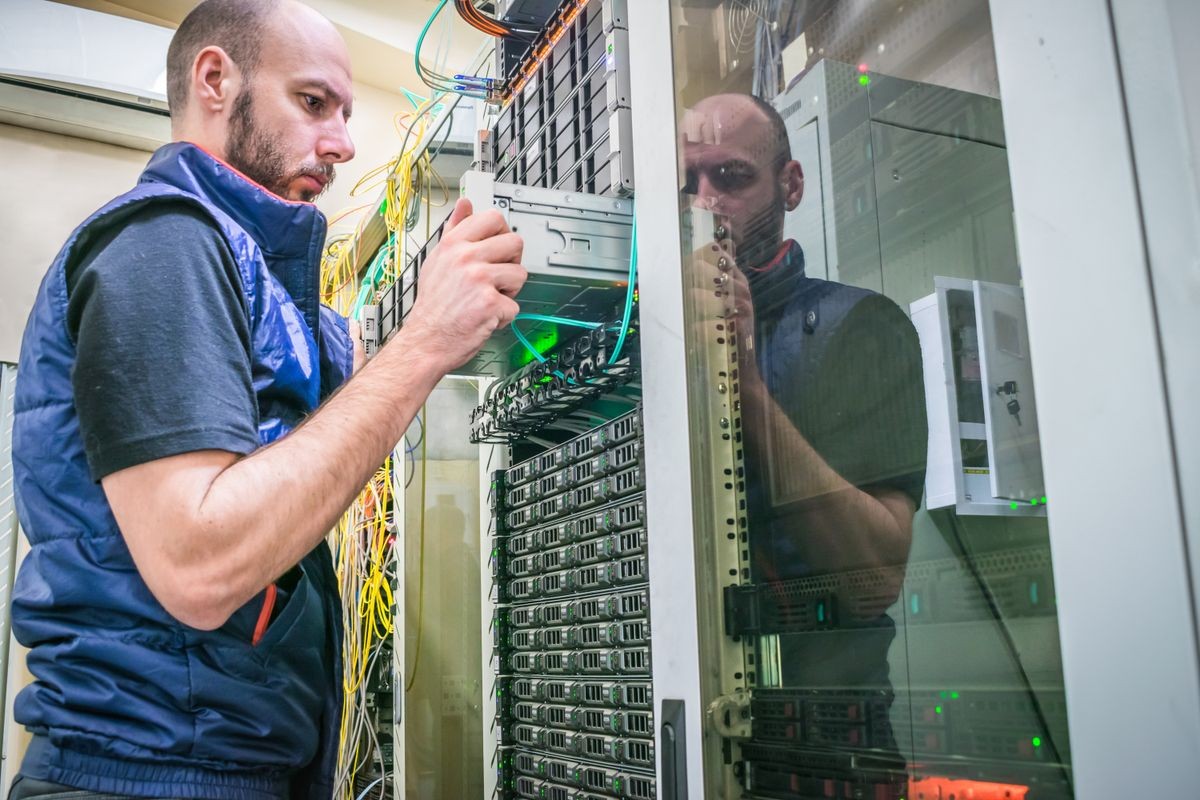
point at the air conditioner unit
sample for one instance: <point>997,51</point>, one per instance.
<point>83,73</point>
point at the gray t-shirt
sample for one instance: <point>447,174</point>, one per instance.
<point>162,334</point>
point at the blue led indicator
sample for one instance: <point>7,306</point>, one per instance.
<point>915,603</point>
<point>1033,592</point>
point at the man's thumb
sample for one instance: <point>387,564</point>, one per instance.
<point>462,210</point>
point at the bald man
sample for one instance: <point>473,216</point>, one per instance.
<point>832,397</point>
<point>187,431</point>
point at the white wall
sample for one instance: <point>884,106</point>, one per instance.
<point>53,182</point>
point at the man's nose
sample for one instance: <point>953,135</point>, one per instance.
<point>705,196</point>
<point>335,144</point>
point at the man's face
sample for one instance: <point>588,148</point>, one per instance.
<point>287,125</point>
<point>731,168</point>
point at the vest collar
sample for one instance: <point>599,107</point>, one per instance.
<point>290,234</point>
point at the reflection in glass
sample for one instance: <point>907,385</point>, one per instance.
<point>899,592</point>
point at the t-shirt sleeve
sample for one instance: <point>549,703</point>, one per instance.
<point>872,389</point>
<point>162,334</point>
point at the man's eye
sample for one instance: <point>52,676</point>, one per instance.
<point>733,176</point>
<point>313,103</point>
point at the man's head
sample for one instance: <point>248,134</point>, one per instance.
<point>738,164</point>
<point>266,86</point>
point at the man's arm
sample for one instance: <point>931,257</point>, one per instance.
<point>209,529</point>
<point>840,527</point>
<point>844,527</point>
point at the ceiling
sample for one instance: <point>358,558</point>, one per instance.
<point>381,34</point>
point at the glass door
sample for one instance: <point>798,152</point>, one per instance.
<point>850,252</point>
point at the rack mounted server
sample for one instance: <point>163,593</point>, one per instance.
<point>571,621</point>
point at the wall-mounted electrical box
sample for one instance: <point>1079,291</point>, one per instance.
<point>984,453</point>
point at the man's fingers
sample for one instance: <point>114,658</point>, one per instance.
<point>481,225</point>
<point>508,311</point>
<point>504,248</point>
<point>509,278</point>
<point>462,210</point>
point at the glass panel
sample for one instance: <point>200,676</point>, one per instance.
<point>441,679</point>
<point>851,252</point>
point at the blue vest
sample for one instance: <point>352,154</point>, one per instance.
<point>126,699</point>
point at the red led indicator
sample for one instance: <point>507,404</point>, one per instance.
<point>862,67</point>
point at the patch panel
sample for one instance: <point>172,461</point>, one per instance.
<point>542,392</point>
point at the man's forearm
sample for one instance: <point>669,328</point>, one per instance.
<point>264,512</point>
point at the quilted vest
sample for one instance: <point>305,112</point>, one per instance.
<point>126,699</point>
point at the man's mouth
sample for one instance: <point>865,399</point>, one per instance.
<point>314,183</point>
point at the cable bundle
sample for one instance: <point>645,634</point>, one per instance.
<point>365,555</point>
<point>478,20</point>
<point>479,87</point>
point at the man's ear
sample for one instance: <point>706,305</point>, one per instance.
<point>215,80</point>
<point>791,180</point>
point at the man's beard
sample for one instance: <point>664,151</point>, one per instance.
<point>255,153</point>
<point>759,237</point>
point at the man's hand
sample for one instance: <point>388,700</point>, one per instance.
<point>209,530</point>
<point>467,286</point>
<point>722,292</point>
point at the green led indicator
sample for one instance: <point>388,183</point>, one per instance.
<point>1013,505</point>
<point>937,709</point>
<point>820,612</point>
<point>864,80</point>
<point>1037,741</point>
<point>915,603</point>
<point>1033,502</point>
<point>1043,501</point>
<point>954,695</point>
<point>942,695</point>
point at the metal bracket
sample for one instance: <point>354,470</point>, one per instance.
<point>743,612</point>
<point>729,715</point>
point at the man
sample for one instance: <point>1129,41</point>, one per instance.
<point>832,399</point>
<point>174,473</point>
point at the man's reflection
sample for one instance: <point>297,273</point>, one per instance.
<point>832,401</point>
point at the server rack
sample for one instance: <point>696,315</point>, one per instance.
<point>544,638</point>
